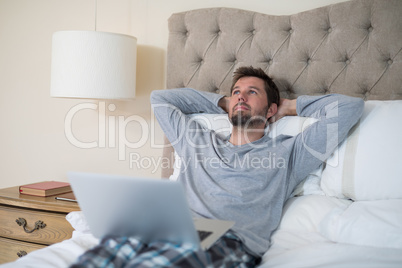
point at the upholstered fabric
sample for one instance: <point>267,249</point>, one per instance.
<point>352,48</point>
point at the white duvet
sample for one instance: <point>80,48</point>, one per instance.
<point>321,231</point>
<point>315,231</point>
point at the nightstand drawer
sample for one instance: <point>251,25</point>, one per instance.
<point>11,250</point>
<point>19,223</point>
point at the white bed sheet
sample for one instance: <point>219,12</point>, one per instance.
<point>300,242</point>
<point>297,242</point>
<point>312,251</point>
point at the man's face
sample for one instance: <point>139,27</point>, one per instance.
<point>248,105</point>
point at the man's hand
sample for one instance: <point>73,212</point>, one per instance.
<point>224,104</point>
<point>286,107</point>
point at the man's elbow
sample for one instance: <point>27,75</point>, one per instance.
<point>358,106</point>
<point>157,96</point>
<point>354,109</point>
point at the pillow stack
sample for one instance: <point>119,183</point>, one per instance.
<point>366,166</point>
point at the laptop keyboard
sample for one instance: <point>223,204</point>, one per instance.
<point>203,234</point>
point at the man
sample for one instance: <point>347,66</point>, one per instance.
<point>229,178</point>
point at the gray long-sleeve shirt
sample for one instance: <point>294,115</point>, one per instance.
<point>250,183</point>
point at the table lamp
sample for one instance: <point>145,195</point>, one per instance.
<point>92,64</point>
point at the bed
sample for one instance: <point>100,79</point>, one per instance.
<point>347,213</point>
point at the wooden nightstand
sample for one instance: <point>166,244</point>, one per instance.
<point>45,223</point>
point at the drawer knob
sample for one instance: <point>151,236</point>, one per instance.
<point>38,225</point>
<point>21,253</point>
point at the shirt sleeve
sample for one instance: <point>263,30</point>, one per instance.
<point>336,115</point>
<point>172,107</point>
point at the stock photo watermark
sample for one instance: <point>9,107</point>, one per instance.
<point>109,125</point>
<point>107,128</point>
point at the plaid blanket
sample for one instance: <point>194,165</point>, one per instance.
<point>131,252</point>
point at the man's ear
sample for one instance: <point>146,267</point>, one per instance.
<point>272,110</point>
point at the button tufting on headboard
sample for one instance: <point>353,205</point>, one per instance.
<point>343,46</point>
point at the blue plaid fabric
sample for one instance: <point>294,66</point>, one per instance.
<point>131,252</point>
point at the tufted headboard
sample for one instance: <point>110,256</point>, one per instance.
<point>352,48</point>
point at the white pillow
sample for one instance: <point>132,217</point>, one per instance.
<point>78,222</point>
<point>305,213</point>
<point>367,165</point>
<point>366,223</point>
<point>288,125</point>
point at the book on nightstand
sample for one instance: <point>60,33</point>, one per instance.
<point>45,188</point>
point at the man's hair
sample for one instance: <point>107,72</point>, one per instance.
<point>270,88</point>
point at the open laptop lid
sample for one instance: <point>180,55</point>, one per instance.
<point>151,209</point>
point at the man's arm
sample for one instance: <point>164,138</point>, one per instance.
<point>336,115</point>
<point>171,107</point>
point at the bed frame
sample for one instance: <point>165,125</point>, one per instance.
<point>352,48</point>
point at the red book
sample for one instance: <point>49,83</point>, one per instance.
<point>46,188</point>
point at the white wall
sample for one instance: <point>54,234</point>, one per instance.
<point>33,146</point>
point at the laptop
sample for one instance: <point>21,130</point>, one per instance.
<point>150,209</point>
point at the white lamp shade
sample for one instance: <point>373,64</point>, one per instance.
<point>90,64</point>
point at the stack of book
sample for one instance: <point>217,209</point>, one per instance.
<point>46,188</point>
